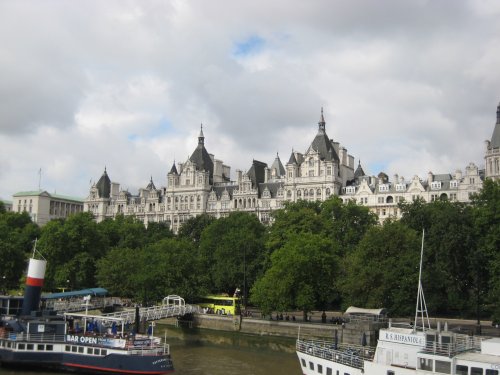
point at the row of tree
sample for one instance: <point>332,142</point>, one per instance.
<point>315,256</point>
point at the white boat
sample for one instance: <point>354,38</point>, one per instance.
<point>405,351</point>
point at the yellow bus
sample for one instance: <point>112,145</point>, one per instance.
<point>220,304</point>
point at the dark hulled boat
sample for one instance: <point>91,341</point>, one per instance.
<point>75,342</point>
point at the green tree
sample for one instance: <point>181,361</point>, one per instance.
<point>194,227</point>
<point>382,271</point>
<point>485,261</point>
<point>17,235</point>
<point>124,231</point>
<point>71,247</point>
<point>233,252</point>
<point>302,275</point>
<point>449,244</point>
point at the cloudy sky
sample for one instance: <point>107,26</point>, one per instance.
<point>406,86</point>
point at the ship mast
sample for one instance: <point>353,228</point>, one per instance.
<point>421,306</point>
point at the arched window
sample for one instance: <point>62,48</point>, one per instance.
<point>389,199</point>
<point>328,192</point>
<point>306,193</point>
<point>289,194</point>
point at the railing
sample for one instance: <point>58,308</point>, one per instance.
<point>349,355</point>
<point>155,350</point>
<point>79,305</point>
<point>35,337</point>
<point>153,313</point>
<point>459,344</point>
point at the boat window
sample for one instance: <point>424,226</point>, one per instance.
<point>97,351</point>
<point>39,347</point>
<point>320,369</point>
<point>390,372</point>
<point>491,372</point>
<point>328,371</point>
<point>443,367</point>
<point>104,352</point>
<point>73,349</point>
<point>461,370</point>
<point>80,349</point>
<point>67,348</point>
<point>90,350</point>
<point>30,346</point>
<point>476,371</point>
<point>425,364</point>
<point>311,365</point>
<point>21,346</point>
<point>49,347</point>
<point>303,362</point>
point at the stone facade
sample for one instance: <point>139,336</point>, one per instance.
<point>43,206</point>
<point>202,185</point>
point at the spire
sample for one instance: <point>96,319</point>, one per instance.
<point>321,122</point>
<point>151,185</point>
<point>498,114</point>
<point>201,137</point>
<point>173,170</point>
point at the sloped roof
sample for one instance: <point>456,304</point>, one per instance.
<point>77,293</point>
<point>37,193</point>
<point>322,144</point>
<point>495,138</point>
<point>257,173</point>
<point>151,185</point>
<point>201,159</point>
<point>278,166</point>
<point>359,171</point>
<point>219,190</point>
<point>273,188</point>
<point>104,185</point>
<point>173,170</point>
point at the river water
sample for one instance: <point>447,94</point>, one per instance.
<point>215,353</point>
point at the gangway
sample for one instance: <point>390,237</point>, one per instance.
<point>171,306</point>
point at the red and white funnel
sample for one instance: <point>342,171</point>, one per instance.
<point>34,283</point>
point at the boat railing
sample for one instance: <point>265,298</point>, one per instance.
<point>459,344</point>
<point>150,350</point>
<point>349,355</point>
<point>35,337</point>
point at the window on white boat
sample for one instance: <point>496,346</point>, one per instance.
<point>73,349</point>
<point>476,371</point>
<point>49,348</point>
<point>328,371</point>
<point>81,349</point>
<point>390,372</point>
<point>104,352</point>
<point>425,364</point>
<point>491,372</point>
<point>320,369</point>
<point>311,365</point>
<point>304,364</point>
<point>40,347</point>
<point>29,347</point>
<point>67,348</point>
<point>443,367</point>
<point>21,346</point>
<point>90,350</point>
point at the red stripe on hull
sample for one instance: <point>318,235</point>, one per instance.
<point>32,281</point>
<point>117,370</point>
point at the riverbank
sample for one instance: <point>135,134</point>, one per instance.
<point>349,333</point>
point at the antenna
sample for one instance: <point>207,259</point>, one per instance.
<point>421,306</point>
<point>39,178</point>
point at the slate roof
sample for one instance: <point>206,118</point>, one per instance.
<point>173,170</point>
<point>151,185</point>
<point>201,158</point>
<point>273,188</point>
<point>359,171</point>
<point>219,190</point>
<point>280,170</point>
<point>37,193</point>
<point>257,173</point>
<point>495,138</point>
<point>322,144</point>
<point>104,185</point>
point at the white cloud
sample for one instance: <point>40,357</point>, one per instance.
<point>406,86</point>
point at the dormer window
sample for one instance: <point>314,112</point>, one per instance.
<point>400,187</point>
<point>453,184</point>
<point>350,189</point>
<point>436,185</point>
<point>383,187</point>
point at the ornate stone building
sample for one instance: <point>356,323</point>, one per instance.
<point>202,185</point>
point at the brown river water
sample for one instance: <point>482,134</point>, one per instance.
<point>215,353</point>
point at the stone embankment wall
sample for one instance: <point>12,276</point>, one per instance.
<point>348,333</point>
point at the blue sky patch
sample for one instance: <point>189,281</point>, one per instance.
<point>250,45</point>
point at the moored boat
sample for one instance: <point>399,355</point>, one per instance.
<point>75,342</point>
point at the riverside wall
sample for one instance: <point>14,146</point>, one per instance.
<point>356,333</point>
